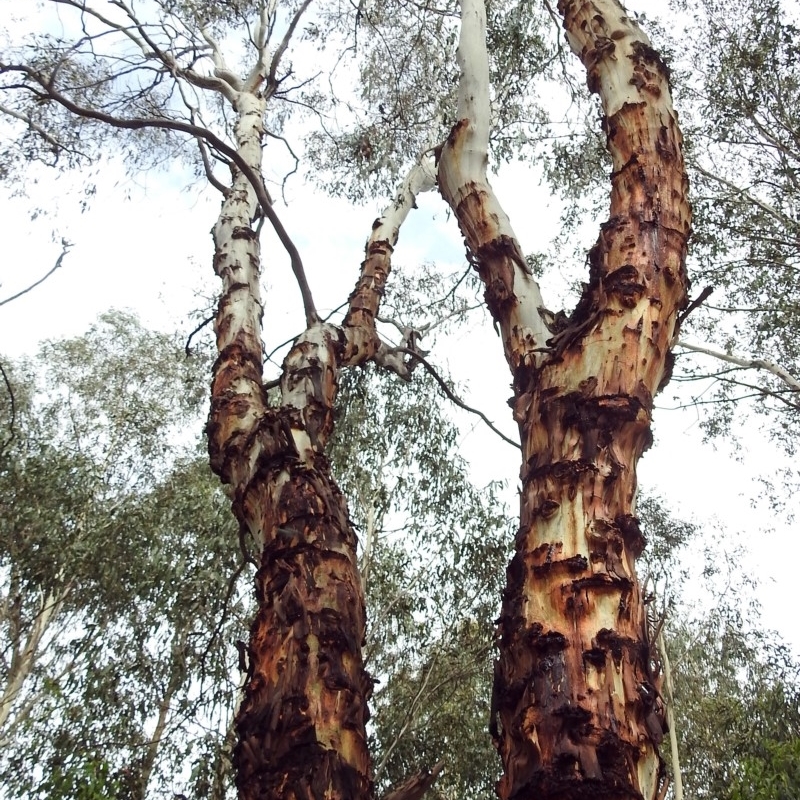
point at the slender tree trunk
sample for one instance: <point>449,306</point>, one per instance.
<point>576,707</point>
<point>669,697</point>
<point>177,675</point>
<point>25,649</point>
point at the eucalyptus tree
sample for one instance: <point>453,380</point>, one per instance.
<point>119,568</point>
<point>743,129</point>
<point>736,79</point>
<point>574,689</point>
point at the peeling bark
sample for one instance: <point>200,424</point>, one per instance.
<point>301,726</point>
<point>576,706</point>
<point>363,342</point>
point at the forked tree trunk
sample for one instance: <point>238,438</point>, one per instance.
<point>301,726</point>
<point>576,706</point>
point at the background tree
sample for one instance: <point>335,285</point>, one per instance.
<point>120,571</point>
<point>736,703</point>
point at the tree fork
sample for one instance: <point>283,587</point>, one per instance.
<point>576,706</point>
<point>301,726</point>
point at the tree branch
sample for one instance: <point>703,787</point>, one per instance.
<point>696,303</point>
<point>460,403</point>
<point>747,363</point>
<point>260,40</point>
<point>220,67</point>
<point>210,176</point>
<point>410,714</point>
<point>359,322</point>
<point>36,128</point>
<point>41,280</point>
<point>197,330</point>
<point>764,206</point>
<point>272,82</point>
<point>463,183</point>
<point>139,123</point>
<point>415,787</point>
<point>673,734</point>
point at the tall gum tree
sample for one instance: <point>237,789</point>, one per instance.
<point>301,726</point>
<point>576,701</point>
<point>576,704</point>
<point>302,722</point>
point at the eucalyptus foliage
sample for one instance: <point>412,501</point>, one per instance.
<point>737,702</point>
<point>107,506</point>
<point>736,684</point>
<point>113,531</point>
<point>434,547</point>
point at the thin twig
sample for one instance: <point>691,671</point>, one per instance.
<point>410,716</point>
<point>446,389</point>
<point>197,330</point>
<point>58,263</point>
<point>247,559</point>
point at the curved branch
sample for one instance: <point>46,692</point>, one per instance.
<point>210,176</point>
<point>220,67</point>
<point>291,153</point>
<point>446,389</point>
<point>139,123</point>
<point>747,363</point>
<point>187,348</point>
<point>41,280</point>
<point>272,83</point>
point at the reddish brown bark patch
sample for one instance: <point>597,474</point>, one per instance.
<point>302,720</point>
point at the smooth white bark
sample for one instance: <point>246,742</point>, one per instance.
<point>463,175</point>
<point>677,779</point>
<point>25,655</point>
<point>421,178</point>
